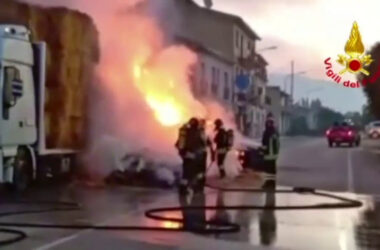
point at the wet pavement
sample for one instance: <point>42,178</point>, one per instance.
<point>349,172</point>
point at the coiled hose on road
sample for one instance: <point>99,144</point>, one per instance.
<point>209,227</point>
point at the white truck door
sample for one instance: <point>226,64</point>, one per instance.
<point>18,116</point>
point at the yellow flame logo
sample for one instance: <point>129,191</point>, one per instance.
<point>354,43</point>
<point>356,59</point>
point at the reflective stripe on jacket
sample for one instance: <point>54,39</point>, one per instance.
<point>273,148</point>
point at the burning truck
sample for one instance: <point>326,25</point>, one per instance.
<point>118,98</point>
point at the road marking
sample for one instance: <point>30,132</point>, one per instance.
<point>76,235</point>
<point>72,237</point>
<point>350,176</point>
<point>58,242</point>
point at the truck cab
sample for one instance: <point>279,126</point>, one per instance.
<point>18,125</point>
<point>22,100</point>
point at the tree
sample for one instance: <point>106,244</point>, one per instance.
<point>298,126</point>
<point>372,82</point>
<point>326,117</point>
<point>367,115</point>
<point>355,117</point>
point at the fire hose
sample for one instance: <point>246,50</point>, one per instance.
<point>208,227</point>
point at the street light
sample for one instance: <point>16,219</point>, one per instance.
<point>267,48</point>
<point>288,76</point>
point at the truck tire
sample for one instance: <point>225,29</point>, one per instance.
<point>23,170</point>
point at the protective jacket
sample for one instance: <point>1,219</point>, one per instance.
<point>221,141</point>
<point>190,142</point>
<point>271,144</point>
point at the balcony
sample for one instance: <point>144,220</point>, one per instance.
<point>262,74</point>
<point>255,62</point>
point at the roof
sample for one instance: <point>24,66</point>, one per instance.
<point>200,48</point>
<point>236,19</point>
<point>278,89</point>
<point>262,59</point>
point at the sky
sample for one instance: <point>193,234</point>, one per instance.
<point>308,32</point>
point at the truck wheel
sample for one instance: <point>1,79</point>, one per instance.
<point>23,170</point>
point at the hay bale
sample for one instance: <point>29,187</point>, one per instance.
<point>73,52</point>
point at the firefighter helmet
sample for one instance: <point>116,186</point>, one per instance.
<point>218,123</point>
<point>194,122</point>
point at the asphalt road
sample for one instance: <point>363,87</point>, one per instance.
<point>308,162</point>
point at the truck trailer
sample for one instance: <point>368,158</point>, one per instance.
<point>25,155</point>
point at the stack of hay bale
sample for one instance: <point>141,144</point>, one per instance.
<point>73,53</point>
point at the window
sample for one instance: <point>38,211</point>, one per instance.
<point>242,44</point>
<point>268,100</point>
<point>214,79</point>
<point>260,91</point>
<point>203,83</point>
<point>203,71</point>
<point>213,75</point>
<point>237,35</point>
<point>192,79</point>
<point>13,89</point>
<point>217,76</point>
<point>226,86</point>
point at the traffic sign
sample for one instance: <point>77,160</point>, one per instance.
<point>242,82</point>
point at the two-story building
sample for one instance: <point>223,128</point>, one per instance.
<point>212,76</point>
<point>232,44</point>
<point>278,103</point>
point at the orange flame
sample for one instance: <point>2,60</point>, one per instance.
<point>158,95</point>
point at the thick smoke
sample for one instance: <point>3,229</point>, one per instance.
<point>139,80</point>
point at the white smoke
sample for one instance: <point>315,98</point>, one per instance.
<point>121,120</point>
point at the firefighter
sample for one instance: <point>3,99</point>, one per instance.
<point>221,145</point>
<point>190,144</point>
<point>270,147</point>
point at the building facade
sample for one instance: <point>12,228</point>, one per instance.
<point>233,46</point>
<point>212,76</point>
<point>279,104</point>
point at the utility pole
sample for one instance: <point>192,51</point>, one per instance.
<point>292,80</point>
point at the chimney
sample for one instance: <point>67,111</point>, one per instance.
<point>208,4</point>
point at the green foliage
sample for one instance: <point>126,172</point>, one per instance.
<point>326,117</point>
<point>355,117</point>
<point>372,88</point>
<point>367,115</point>
<point>299,126</point>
